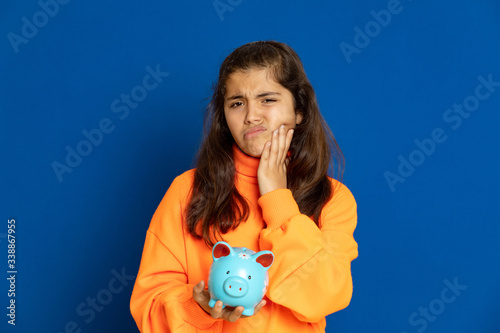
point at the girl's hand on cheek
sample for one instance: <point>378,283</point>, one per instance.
<point>272,168</point>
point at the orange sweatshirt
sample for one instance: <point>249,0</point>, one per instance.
<point>309,279</point>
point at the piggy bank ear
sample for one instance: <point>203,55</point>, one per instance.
<point>221,249</point>
<point>265,258</point>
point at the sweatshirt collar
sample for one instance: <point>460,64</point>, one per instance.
<point>245,164</point>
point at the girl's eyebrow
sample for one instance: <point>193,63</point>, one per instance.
<point>234,97</point>
<point>263,94</point>
<point>267,93</point>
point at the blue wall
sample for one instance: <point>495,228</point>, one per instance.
<point>411,90</point>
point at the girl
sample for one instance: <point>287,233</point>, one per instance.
<point>261,183</point>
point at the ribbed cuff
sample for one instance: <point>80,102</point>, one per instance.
<point>278,206</point>
<point>193,312</point>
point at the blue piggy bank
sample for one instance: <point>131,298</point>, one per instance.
<point>238,276</point>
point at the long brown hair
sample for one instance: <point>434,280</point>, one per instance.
<point>216,206</point>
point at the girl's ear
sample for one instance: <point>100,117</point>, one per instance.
<point>221,249</point>
<point>265,258</point>
<point>298,117</point>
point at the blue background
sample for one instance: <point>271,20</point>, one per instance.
<point>440,224</point>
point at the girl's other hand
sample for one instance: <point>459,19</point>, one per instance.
<point>273,161</point>
<point>202,297</point>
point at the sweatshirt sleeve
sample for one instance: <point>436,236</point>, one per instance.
<point>162,298</point>
<point>311,274</point>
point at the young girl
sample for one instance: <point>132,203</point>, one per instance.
<point>261,183</point>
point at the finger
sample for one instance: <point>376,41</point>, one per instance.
<point>198,288</point>
<point>289,136</point>
<point>198,291</point>
<point>235,314</point>
<point>216,311</point>
<point>259,306</point>
<point>273,158</point>
<point>282,145</point>
<point>266,152</point>
<point>287,141</point>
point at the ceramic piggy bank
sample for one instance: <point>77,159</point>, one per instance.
<point>238,276</point>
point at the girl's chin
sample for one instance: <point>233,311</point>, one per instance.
<point>253,151</point>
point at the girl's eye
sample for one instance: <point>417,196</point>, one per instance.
<point>236,104</point>
<point>269,100</point>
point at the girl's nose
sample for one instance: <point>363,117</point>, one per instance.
<point>253,114</point>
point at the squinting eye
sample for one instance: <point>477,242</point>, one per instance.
<point>269,100</point>
<point>236,104</point>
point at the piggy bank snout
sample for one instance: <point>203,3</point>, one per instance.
<point>236,286</point>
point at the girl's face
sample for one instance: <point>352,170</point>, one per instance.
<point>255,105</point>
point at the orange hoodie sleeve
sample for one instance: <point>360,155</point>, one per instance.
<point>162,298</point>
<point>311,274</point>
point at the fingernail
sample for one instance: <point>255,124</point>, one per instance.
<point>275,132</point>
<point>283,126</point>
